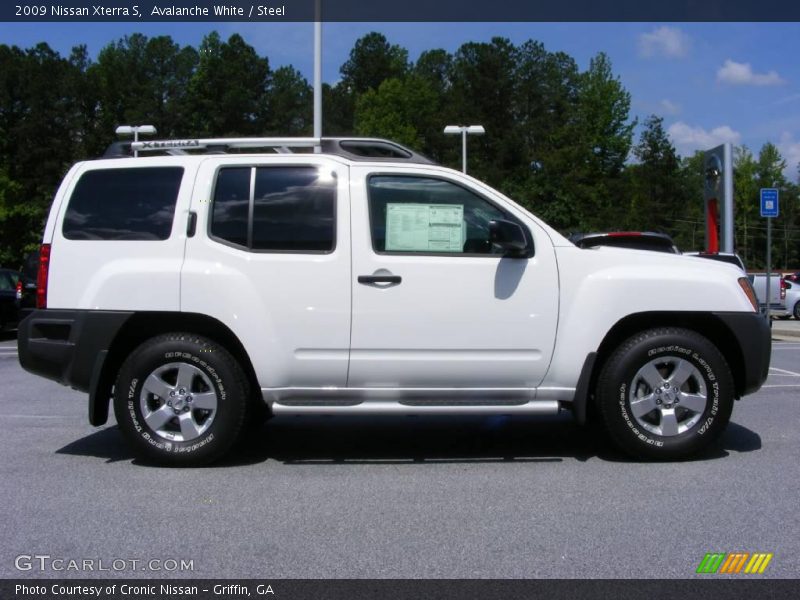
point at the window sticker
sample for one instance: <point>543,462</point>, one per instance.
<point>425,227</point>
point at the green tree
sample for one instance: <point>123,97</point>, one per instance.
<point>372,60</point>
<point>228,90</point>
<point>546,94</point>
<point>481,93</point>
<point>40,136</point>
<point>745,194</point>
<point>140,80</point>
<point>289,109</point>
<point>655,181</point>
<point>398,110</point>
<point>602,135</point>
<point>434,66</point>
<point>770,168</point>
<point>337,110</point>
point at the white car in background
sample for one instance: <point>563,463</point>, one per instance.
<point>793,298</point>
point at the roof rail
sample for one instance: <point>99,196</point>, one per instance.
<point>357,149</point>
<point>210,143</point>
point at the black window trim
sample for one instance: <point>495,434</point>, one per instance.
<point>251,207</point>
<point>530,253</point>
<point>77,179</point>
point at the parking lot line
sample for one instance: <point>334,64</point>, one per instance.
<point>782,385</point>
<point>784,372</point>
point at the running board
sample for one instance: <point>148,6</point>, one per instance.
<point>393,407</point>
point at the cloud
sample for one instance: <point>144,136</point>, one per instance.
<point>688,139</point>
<point>790,150</point>
<point>742,74</point>
<point>664,41</point>
<point>669,107</point>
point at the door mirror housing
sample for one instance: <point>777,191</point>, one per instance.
<point>510,237</point>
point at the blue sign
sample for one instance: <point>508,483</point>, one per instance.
<point>769,202</point>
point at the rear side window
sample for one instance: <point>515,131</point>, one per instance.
<point>286,209</point>
<point>123,204</point>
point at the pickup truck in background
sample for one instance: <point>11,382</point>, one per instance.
<point>777,293</point>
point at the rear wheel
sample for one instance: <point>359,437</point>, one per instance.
<point>665,394</point>
<point>796,311</point>
<point>180,399</point>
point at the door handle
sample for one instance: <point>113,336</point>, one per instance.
<point>368,279</point>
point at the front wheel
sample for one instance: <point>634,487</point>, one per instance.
<point>180,399</point>
<point>665,394</point>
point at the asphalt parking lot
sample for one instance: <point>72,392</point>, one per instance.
<point>405,498</point>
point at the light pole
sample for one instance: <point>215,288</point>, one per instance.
<point>464,130</point>
<point>317,72</point>
<point>135,130</point>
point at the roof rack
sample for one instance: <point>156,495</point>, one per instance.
<point>357,149</point>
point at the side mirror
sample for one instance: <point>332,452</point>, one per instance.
<point>509,236</point>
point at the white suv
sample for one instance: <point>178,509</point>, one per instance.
<point>203,291</point>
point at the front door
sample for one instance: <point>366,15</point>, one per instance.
<point>435,303</point>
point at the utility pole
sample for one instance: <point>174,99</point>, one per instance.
<point>317,72</point>
<point>769,210</point>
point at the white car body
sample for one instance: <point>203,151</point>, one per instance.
<point>203,293</point>
<point>444,332</point>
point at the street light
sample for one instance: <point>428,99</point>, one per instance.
<point>464,130</point>
<point>135,130</point>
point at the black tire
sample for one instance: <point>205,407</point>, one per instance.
<point>680,424</point>
<point>796,311</point>
<point>213,375</point>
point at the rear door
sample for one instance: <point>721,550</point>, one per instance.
<point>270,259</point>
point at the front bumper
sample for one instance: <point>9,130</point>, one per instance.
<point>754,339</point>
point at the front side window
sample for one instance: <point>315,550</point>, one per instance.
<point>123,204</point>
<point>278,209</point>
<point>429,215</point>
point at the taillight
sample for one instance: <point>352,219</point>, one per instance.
<point>19,289</point>
<point>783,290</point>
<point>41,277</point>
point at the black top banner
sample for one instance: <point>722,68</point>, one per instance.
<point>394,10</point>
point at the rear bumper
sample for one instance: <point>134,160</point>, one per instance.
<point>753,335</point>
<point>68,346</point>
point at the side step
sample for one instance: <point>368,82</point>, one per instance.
<point>394,407</point>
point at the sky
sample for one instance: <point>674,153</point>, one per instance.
<point>712,82</point>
